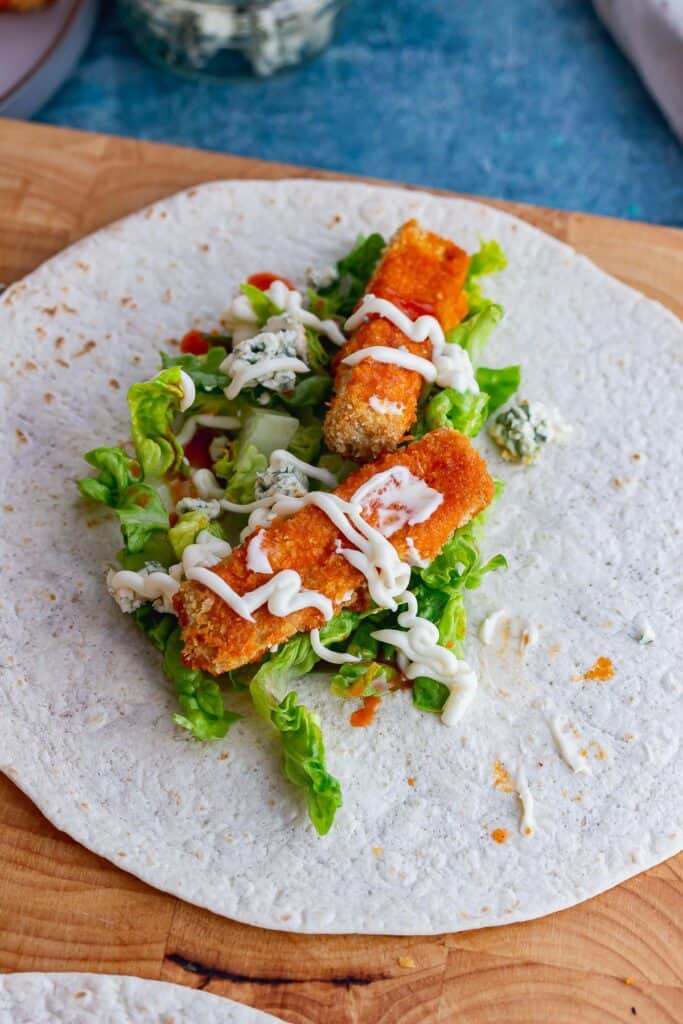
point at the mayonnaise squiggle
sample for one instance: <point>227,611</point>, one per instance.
<point>450,365</point>
<point>240,314</point>
<point>257,559</point>
<point>188,389</point>
<point>422,655</point>
<point>282,594</point>
<point>263,369</point>
<point>325,654</point>
<point>189,428</point>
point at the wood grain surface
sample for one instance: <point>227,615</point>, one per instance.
<point>618,957</point>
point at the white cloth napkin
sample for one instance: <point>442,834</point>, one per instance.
<point>650,32</point>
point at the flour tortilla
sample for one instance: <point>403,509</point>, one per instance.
<point>35,998</point>
<point>589,532</point>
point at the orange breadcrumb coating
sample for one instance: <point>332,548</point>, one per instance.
<point>217,639</point>
<point>421,273</point>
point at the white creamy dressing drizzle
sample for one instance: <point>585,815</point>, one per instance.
<point>281,459</point>
<point>384,406</point>
<point>206,419</point>
<point>450,365</point>
<point>567,747</point>
<point>282,594</point>
<point>257,559</point>
<point>125,585</point>
<point>400,497</point>
<point>414,557</point>
<point>290,301</point>
<point>325,654</point>
<point>487,630</point>
<point>420,654</point>
<point>188,389</point>
<point>206,485</point>
<point>265,368</point>
<point>527,822</point>
<point>160,586</point>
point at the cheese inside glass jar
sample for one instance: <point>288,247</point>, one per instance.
<point>223,39</point>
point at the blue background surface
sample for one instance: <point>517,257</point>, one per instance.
<point>520,99</point>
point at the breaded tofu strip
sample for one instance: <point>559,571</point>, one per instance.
<point>217,639</point>
<point>375,403</point>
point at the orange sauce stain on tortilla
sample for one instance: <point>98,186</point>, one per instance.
<point>500,835</point>
<point>364,716</point>
<point>501,778</point>
<point>411,781</point>
<point>602,670</point>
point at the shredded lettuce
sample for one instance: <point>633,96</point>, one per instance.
<point>307,441</point>
<point>199,694</point>
<point>186,529</point>
<point>303,761</point>
<point>140,510</point>
<point>338,465</point>
<point>317,356</point>
<point>429,694</point>
<point>157,548</point>
<point>153,404</point>
<point>499,384</point>
<point>240,473</point>
<point>460,410</point>
<point>311,390</point>
<point>262,306</point>
<point>488,260</point>
<point>353,274</point>
<point>473,332</point>
<point>204,370</point>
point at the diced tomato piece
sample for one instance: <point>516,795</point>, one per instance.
<point>194,343</point>
<point>264,281</point>
<point>197,450</point>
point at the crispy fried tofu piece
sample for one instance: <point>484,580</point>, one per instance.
<point>374,403</point>
<point>217,639</point>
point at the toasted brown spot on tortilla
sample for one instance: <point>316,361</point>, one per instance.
<point>49,310</point>
<point>204,246</point>
<point>88,346</point>
<point>501,778</point>
<point>127,300</point>
<point>636,456</point>
<point>68,309</point>
<point>41,332</point>
<point>114,384</point>
<point>80,995</point>
<point>500,835</point>
<point>48,397</point>
<point>58,342</point>
<point>554,650</point>
<point>21,437</point>
<point>30,365</point>
<point>62,362</point>
<point>618,482</point>
<point>602,670</point>
<point>135,360</point>
<point>82,265</point>
<point>8,508</point>
<point>51,597</point>
<point>163,214</point>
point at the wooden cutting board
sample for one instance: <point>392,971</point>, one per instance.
<point>618,957</point>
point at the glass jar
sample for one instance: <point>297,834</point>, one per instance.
<point>230,38</point>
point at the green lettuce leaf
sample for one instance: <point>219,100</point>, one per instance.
<point>240,473</point>
<point>117,471</point>
<point>262,306</point>
<point>157,548</point>
<point>473,332</point>
<point>460,410</point>
<point>429,695</point>
<point>153,404</point>
<point>204,370</point>
<point>338,465</point>
<point>303,761</point>
<point>488,260</point>
<point>140,510</point>
<point>307,441</point>
<point>499,384</point>
<point>353,274</point>
<point>199,695</point>
<point>364,678</point>
<point>141,514</point>
<point>309,391</point>
<point>317,356</point>
<point>186,529</point>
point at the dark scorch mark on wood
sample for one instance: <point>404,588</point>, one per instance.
<point>210,973</point>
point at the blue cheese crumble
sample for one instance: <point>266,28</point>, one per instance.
<point>283,337</point>
<point>521,430</point>
<point>287,480</point>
